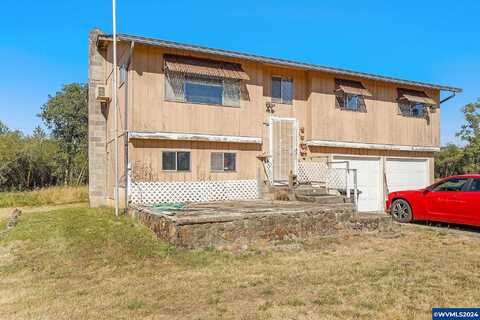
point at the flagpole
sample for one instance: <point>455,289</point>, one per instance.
<point>114,94</point>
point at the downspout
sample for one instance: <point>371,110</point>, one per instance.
<point>125,136</point>
<point>447,98</point>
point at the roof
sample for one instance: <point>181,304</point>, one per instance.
<point>274,61</point>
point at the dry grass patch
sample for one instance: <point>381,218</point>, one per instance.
<point>45,196</point>
<point>83,263</point>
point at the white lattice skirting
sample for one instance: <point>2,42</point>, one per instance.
<point>192,191</point>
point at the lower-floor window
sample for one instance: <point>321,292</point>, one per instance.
<point>176,160</point>
<point>223,161</point>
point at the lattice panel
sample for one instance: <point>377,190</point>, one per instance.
<point>192,191</point>
<point>336,178</point>
<point>312,172</point>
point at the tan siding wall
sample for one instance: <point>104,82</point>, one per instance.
<point>313,106</point>
<point>320,151</point>
<point>146,159</point>
<point>380,124</point>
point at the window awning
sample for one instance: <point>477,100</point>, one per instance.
<point>351,87</point>
<point>415,96</point>
<point>205,67</point>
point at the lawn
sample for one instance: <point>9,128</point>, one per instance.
<point>79,263</point>
<point>45,196</point>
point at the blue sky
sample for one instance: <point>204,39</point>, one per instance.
<point>44,43</point>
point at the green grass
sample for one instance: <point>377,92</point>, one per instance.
<point>80,263</point>
<point>45,196</point>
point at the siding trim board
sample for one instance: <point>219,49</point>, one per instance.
<point>192,137</point>
<point>358,145</point>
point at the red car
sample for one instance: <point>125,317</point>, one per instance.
<point>454,199</point>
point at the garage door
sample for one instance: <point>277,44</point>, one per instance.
<point>406,174</point>
<point>368,181</point>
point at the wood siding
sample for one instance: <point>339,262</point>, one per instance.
<point>313,106</point>
<point>321,151</point>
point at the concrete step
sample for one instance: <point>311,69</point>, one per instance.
<point>322,199</point>
<point>310,191</point>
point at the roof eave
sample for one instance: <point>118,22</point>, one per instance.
<point>273,61</point>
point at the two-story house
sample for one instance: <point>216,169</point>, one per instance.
<point>191,113</point>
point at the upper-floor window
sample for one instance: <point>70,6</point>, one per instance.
<point>123,74</point>
<point>203,81</point>
<point>414,103</point>
<point>282,90</point>
<point>350,95</point>
<point>223,161</point>
<point>413,109</point>
<point>176,160</point>
<point>203,90</point>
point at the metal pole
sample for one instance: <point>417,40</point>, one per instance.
<point>115,115</point>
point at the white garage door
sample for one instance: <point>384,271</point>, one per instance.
<point>406,174</point>
<point>368,181</point>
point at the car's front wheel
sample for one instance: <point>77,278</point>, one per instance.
<point>401,211</point>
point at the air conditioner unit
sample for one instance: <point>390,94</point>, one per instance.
<point>101,94</point>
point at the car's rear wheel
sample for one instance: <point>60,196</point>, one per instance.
<point>401,211</point>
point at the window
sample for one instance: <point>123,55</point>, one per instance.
<point>176,160</point>
<point>202,89</point>
<point>123,74</point>
<point>451,185</point>
<point>352,102</point>
<point>474,185</point>
<point>223,161</point>
<point>282,90</point>
<point>413,109</point>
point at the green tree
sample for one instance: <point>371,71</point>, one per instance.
<point>470,133</point>
<point>449,161</point>
<point>66,115</point>
<point>3,128</point>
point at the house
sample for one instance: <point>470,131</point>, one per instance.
<point>199,118</point>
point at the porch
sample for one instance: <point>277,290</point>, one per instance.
<point>240,223</point>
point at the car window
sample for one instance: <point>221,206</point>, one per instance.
<point>475,185</point>
<point>451,185</point>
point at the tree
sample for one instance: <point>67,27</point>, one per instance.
<point>449,161</point>
<point>470,132</point>
<point>3,128</point>
<point>66,115</point>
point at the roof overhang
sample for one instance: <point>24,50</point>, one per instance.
<point>377,146</point>
<point>272,61</point>
<point>192,137</point>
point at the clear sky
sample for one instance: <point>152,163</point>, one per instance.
<point>43,44</point>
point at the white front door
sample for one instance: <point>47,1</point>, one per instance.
<point>368,181</point>
<point>283,148</point>
<point>406,174</point>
